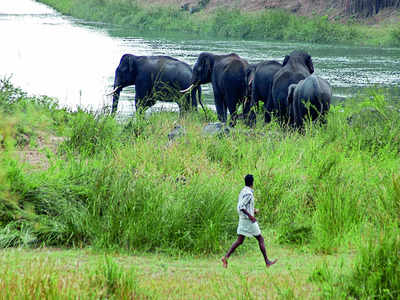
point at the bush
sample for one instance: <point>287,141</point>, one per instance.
<point>395,35</point>
<point>93,133</point>
<point>375,274</point>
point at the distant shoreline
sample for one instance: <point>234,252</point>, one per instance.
<point>266,24</point>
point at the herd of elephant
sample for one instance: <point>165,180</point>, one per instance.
<point>289,90</point>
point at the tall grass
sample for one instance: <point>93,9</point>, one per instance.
<point>124,185</point>
<point>265,24</point>
<point>60,278</point>
<point>375,273</point>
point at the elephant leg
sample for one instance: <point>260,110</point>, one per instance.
<point>283,113</point>
<point>300,113</point>
<point>268,109</point>
<point>232,110</point>
<point>249,112</point>
<point>142,98</point>
<point>194,98</point>
<point>221,108</point>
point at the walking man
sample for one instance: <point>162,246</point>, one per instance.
<point>248,225</point>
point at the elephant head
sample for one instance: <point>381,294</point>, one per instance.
<point>250,104</point>
<point>125,75</point>
<point>297,58</point>
<point>202,69</point>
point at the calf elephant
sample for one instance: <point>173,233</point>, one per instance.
<point>155,78</point>
<point>296,66</point>
<point>261,80</point>
<point>309,99</point>
<point>227,73</point>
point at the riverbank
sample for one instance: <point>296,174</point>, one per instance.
<point>124,186</point>
<point>268,24</point>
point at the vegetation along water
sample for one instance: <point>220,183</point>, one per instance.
<point>230,23</point>
<point>147,216</point>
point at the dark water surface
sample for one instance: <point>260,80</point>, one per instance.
<point>47,53</point>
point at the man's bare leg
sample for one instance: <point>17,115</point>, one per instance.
<point>261,243</point>
<point>236,244</point>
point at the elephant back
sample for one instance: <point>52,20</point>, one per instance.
<point>312,96</point>
<point>231,72</point>
<point>173,72</point>
<point>314,89</point>
<point>281,82</point>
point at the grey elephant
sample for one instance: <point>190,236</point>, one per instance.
<point>260,80</point>
<point>296,66</point>
<point>309,99</point>
<point>228,75</point>
<point>155,78</point>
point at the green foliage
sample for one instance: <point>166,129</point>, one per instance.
<point>266,24</point>
<point>375,274</point>
<point>377,271</point>
<point>93,132</point>
<point>395,35</point>
<point>117,282</point>
<point>122,184</point>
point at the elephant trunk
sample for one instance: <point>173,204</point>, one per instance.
<point>116,92</point>
<point>201,102</point>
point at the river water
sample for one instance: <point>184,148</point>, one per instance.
<point>46,53</point>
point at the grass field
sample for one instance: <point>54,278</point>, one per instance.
<point>88,274</point>
<point>329,199</point>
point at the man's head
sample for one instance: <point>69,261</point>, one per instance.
<point>248,180</point>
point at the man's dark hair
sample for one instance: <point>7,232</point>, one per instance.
<point>248,180</point>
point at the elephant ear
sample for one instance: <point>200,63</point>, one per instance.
<point>131,64</point>
<point>205,64</point>
<point>250,74</point>
<point>285,61</point>
<point>309,64</point>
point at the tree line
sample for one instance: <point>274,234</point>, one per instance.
<point>367,7</point>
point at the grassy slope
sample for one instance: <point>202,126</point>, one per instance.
<point>262,24</point>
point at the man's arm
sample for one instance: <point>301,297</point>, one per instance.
<point>252,218</point>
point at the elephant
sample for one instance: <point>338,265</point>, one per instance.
<point>309,99</point>
<point>296,66</point>
<point>228,75</point>
<point>261,80</point>
<point>155,78</point>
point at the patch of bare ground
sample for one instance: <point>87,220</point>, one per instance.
<point>335,10</point>
<point>36,156</point>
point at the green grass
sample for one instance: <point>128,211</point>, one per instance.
<point>122,186</point>
<point>67,274</point>
<point>261,25</point>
